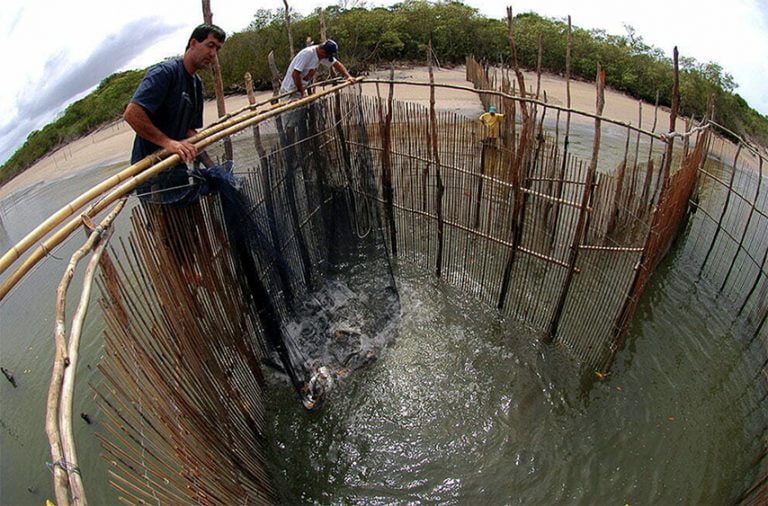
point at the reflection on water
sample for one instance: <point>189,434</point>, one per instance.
<point>468,407</point>
<point>463,407</point>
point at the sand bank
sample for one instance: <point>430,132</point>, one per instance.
<point>112,144</point>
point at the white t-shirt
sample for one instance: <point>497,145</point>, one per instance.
<point>305,62</point>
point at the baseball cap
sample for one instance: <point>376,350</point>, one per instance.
<point>331,48</point>
<point>492,108</point>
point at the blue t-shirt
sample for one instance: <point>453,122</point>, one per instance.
<point>173,100</point>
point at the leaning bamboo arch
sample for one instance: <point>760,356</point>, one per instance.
<point>126,180</point>
<point>249,115</point>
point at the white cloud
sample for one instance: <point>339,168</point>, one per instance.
<point>59,50</point>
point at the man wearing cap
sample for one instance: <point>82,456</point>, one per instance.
<point>304,65</point>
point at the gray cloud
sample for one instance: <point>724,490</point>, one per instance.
<point>112,54</point>
<point>63,82</point>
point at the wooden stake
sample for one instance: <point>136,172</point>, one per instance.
<point>217,80</point>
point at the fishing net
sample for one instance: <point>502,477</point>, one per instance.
<point>300,223</point>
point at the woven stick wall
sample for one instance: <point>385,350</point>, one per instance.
<point>508,220</point>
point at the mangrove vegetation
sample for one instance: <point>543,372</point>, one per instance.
<point>371,37</point>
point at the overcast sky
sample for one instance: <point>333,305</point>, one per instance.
<point>58,51</point>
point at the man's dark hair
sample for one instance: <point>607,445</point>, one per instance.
<point>200,33</point>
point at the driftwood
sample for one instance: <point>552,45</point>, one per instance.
<point>67,479</point>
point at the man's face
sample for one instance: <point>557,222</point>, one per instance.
<point>203,53</point>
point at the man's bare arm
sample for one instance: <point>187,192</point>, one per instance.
<point>341,69</point>
<point>298,82</point>
<point>137,118</point>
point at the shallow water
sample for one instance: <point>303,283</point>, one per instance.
<point>464,407</point>
<point>467,407</point>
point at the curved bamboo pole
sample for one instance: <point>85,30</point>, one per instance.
<point>130,178</point>
<point>75,205</point>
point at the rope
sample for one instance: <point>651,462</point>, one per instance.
<point>680,135</point>
<point>63,464</point>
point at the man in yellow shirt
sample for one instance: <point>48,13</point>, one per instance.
<point>491,121</point>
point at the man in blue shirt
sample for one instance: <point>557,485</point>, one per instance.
<point>167,107</point>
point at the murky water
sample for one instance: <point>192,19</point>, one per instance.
<point>465,407</point>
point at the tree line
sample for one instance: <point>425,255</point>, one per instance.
<point>371,37</point>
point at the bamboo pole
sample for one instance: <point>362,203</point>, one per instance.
<point>78,203</point>
<point>129,179</point>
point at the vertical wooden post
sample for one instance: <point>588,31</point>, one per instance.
<point>581,223</point>
<point>538,67</point>
<point>672,121</point>
<point>440,188</point>
<point>517,176</point>
<point>555,216</point>
<point>323,33</point>
<point>288,27</point>
<point>386,167</point>
<point>275,75</point>
<point>217,81</point>
<point>256,133</point>
<point>649,164</point>
<point>613,216</point>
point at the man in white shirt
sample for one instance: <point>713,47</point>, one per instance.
<point>304,66</point>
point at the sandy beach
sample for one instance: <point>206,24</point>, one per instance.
<point>112,144</point>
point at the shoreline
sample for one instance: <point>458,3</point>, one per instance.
<point>111,144</point>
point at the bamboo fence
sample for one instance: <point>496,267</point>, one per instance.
<point>538,223</point>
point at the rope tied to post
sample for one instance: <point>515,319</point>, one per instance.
<point>66,466</point>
